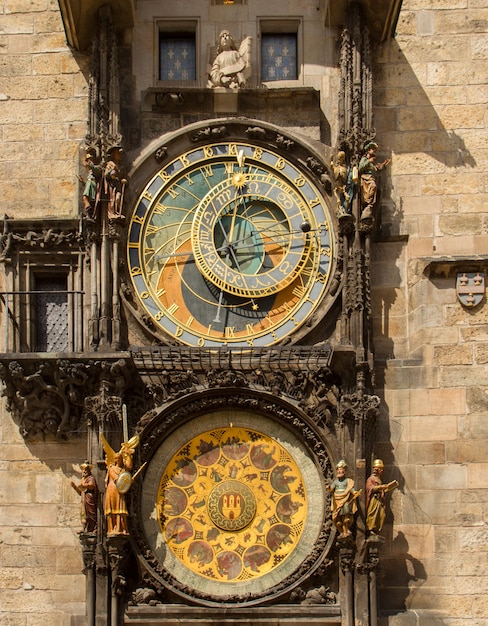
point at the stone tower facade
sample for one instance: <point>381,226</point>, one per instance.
<point>217,447</point>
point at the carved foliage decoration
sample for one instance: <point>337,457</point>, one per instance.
<point>356,90</point>
<point>104,89</point>
<point>55,398</point>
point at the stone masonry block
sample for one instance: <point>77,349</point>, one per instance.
<point>462,116</point>
<point>446,540</point>
<point>29,515</point>
<point>431,452</point>
<point>473,539</point>
<point>429,428</point>
<point>425,22</point>
<point>11,577</point>
<point>54,537</point>
<point>55,619</point>
<point>481,354</point>
<point>69,560</point>
<point>416,540</point>
<point>48,487</point>
<point>447,401</point>
<point>49,22</point>
<point>14,22</point>
<point>16,536</point>
<point>477,475</point>
<point>29,556</point>
<point>460,224</point>
<point>449,184</point>
<point>16,488</point>
<point>417,118</point>
<point>475,202</point>
<point>453,355</point>
<point>479,47</point>
<point>468,451</point>
<point>411,377</point>
<point>12,620</point>
<point>28,601</point>
<point>456,375</point>
<point>21,67</point>
<point>452,476</point>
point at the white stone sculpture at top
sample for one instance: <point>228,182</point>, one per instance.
<point>231,67</point>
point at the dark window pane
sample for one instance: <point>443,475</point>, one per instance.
<point>51,314</point>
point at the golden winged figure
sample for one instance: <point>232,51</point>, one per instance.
<point>118,481</point>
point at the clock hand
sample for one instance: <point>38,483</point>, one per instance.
<point>242,242</point>
<point>169,255</point>
<point>238,197</point>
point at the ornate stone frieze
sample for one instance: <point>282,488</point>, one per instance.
<point>55,398</point>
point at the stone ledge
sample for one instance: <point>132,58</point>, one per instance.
<point>280,615</point>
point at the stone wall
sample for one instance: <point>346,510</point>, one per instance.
<point>43,109</point>
<point>432,120</point>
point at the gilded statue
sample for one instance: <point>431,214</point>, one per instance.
<point>368,177</point>
<point>375,498</point>
<point>118,481</point>
<point>115,183</point>
<point>345,177</point>
<point>344,500</point>
<point>87,488</point>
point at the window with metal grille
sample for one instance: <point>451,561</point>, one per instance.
<point>51,314</point>
<point>177,56</point>
<point>279,56</point>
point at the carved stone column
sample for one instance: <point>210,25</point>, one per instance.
<point>89,547</point>
<point>346,561</point>
<point>118,552</point>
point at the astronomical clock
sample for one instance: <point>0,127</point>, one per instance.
<point>232,260</point>
<point>231,242</point>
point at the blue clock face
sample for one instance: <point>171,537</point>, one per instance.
<point>230,244</point>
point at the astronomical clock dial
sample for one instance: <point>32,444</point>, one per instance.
<point>230,244</point>
<point>232,508</point>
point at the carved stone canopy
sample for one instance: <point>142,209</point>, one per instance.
<point>79,17</point>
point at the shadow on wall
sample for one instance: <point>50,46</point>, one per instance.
<point>401,571</point>
<point>407,116</point>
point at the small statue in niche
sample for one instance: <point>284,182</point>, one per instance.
<point>231,67</point>
<point>115,183</point>
<point>345,177</point>
<point>88,490</point>
<point>375,498</point>
<point>92,184</point>
<point>344,496</point>
<point>118,481</point>
<point>368,175</point>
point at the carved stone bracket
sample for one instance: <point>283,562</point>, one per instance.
<point>370,557</point>
<point>118,553</point>
<point>359,407</point>
<point>56,397</point>
<point>346,559</point>
<point>89,550</point>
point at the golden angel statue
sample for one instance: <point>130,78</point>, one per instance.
<point>231,66</point>
<point>118,481</point>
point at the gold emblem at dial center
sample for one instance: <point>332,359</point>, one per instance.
<point>231,505</point>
